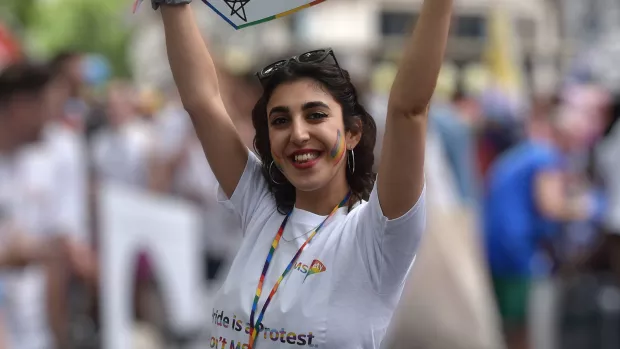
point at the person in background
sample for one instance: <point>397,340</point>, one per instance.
<point>121,151</point>
<point>66,144</point>
<point>458,143</point>
<point>31,226</point>
<point>607,168</point>
<point>172,129</point>
<point>524,203</point>
<point>68,69</point>
<point>500,129</point>
<point>180,169</point>
<point>68,148</point>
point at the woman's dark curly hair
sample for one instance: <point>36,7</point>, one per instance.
<point>338,83</point>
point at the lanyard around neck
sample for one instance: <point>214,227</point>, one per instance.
<point>274,245</point>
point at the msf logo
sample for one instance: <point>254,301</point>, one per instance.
<point>316,267</point>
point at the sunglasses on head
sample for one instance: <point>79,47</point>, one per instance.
<point>311,57</point>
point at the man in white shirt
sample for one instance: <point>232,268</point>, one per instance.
<point>22,118</point>
<point>64,142</point>
<point>181,169</point>
<point>34,218</point>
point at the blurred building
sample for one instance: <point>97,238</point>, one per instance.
<point>377,28</point>
<point>363,31</point>
<point>590,31</point>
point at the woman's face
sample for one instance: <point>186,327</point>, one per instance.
<point>306,133</point>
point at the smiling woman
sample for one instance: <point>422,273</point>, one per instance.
<point>310,197</point>
<point>310,112</point>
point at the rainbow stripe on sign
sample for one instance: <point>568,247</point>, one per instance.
<point>267,19</point>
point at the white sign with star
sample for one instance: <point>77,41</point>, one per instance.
<point>245,13</point>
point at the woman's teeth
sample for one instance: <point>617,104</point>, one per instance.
<point>300,158</point>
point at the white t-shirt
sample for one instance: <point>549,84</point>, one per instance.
<point>28,201</point>
<point>42,192</point>
<point>69,150</point>
<point>172,126</point>
<point>123,155</point>
<point>362,259</point>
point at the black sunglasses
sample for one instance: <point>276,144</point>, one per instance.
<point>311,57</point>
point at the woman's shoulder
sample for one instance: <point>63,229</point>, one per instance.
<point>356,211</point>
<point>370,213</point>
<point>265,221</point>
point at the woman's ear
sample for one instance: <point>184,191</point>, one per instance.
<point>355,133</point>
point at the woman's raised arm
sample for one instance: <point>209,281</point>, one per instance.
<point>196,79</point>
<point>401,171</point>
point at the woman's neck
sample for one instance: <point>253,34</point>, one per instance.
<point>322,201</point>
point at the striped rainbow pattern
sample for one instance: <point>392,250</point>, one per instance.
<point>267,19</point>
<point>274,245</point>
<point>315,268</point>
<point>338,150</point>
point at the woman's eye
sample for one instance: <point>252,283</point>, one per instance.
<point>278,121</point>
<point>317,115</point>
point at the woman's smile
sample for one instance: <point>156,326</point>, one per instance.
<point>305,158</point>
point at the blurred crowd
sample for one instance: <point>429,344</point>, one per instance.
<point>59,140</point>
<point>535,178</point>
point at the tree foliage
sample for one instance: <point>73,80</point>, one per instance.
<point>90,26</point>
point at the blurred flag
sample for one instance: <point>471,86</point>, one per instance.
<point>10,50</point>
<point>447,81</point>
<point>475,79</point>
<point>503,59</point>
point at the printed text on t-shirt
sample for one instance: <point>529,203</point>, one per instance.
<point>264,333</point>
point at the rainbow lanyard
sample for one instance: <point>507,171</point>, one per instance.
<point>272,250</point>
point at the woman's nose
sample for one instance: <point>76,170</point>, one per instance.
<point>300,133</point>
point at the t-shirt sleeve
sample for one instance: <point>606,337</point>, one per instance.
<point>389,246</point>
<point>251,196</point>
<point>549,160</point>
